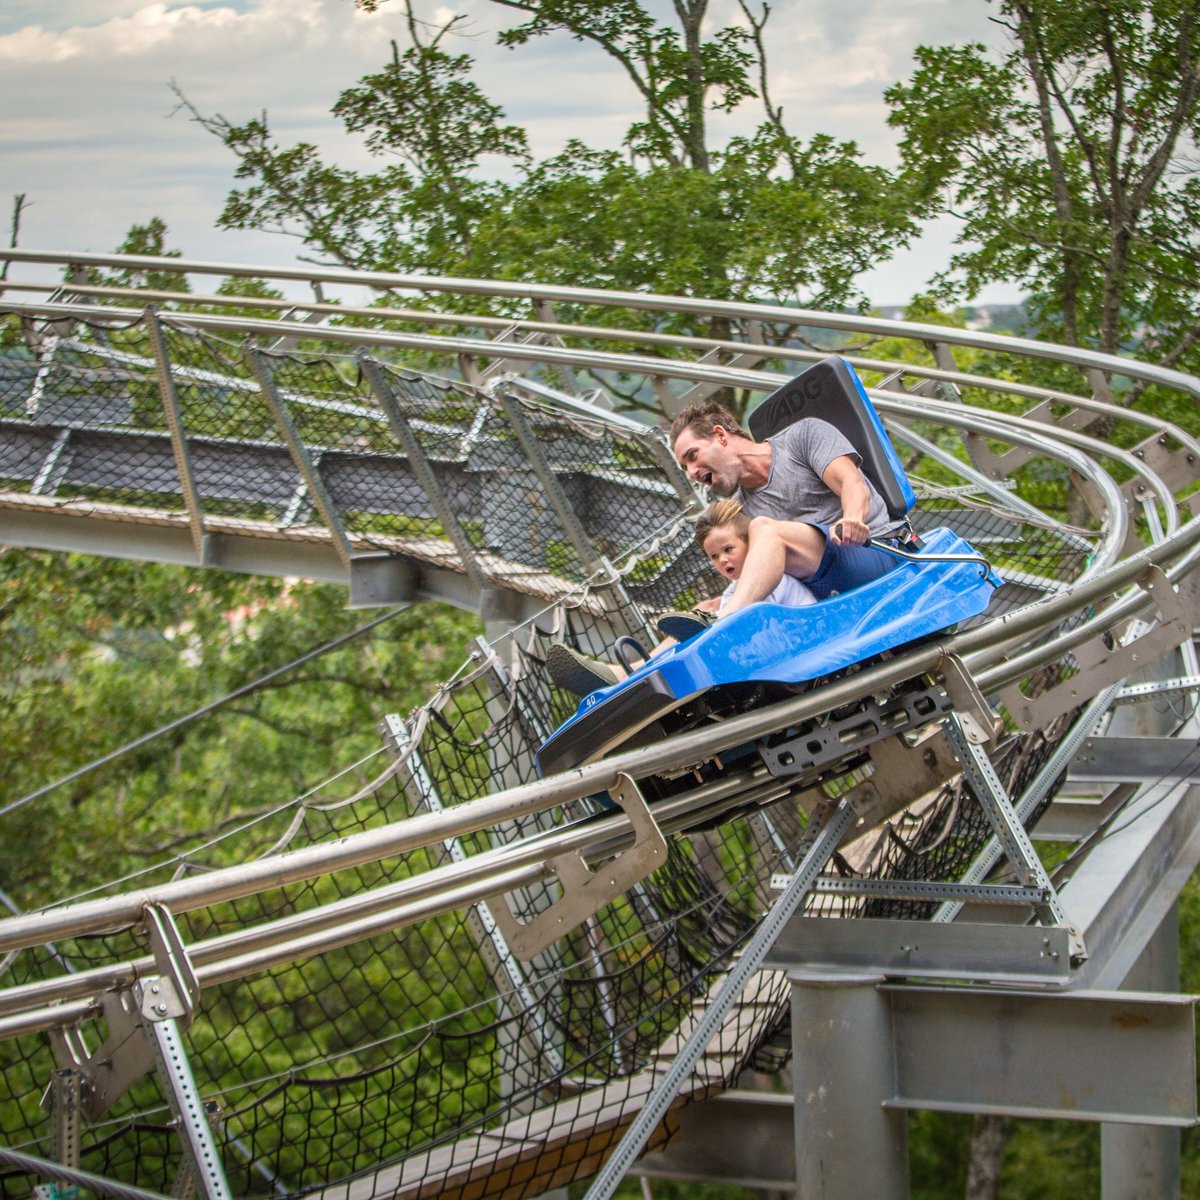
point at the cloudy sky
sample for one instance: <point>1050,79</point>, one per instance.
<point>89,130</point>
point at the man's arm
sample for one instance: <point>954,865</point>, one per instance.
<point>846,481</point>
<point>775,546</point>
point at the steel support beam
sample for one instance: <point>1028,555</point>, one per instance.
<point>1010,833</point>
<point>378,580</point>
<point>247,554</point>
<point>867,1051</point>
<point>1077,1056</point>
<point>849,1142</point>
<point>1142,1162</point>
<point>1124,888</point>
<point>736,1137</point>
<point>963,950</point>
<point>1136,759</point>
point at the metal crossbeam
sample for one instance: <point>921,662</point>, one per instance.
<point>1007,827</point>
<point>1135,759</point>
<point>1080,1056</point>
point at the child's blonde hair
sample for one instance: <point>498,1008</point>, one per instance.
<point>722,512</point>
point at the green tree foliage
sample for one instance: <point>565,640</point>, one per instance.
<point>98,653</point>
<point>674,70</point>
<point>1071,161</point>
<point>149,239</point>
<point>764,216</point>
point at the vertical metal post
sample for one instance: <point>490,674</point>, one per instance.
<point>64,1109</point>
<point>162,1002</point>
<point>562,507</point>
<point>543,311</point>
<point>827,826</point>
<point>848,1145</point>
<point>1142,1162</point>
<point>200,1158</point>
<point>183,460</point>
<point>593,563</point>
<point>943,355</point>
<point>299,453</point>
<point>421,467</point>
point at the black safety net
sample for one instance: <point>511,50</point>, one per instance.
<point>370,1032</point>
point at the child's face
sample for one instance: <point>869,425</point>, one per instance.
<point>726,551</point>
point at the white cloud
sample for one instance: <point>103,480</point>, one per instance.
<point>87,130</point>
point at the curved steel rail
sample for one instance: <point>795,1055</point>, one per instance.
<point>1150,483</point>
<point>988,648</point>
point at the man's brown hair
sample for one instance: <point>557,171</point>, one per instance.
<point>703,419</point>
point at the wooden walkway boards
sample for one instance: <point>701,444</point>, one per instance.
<point>569,1138</point>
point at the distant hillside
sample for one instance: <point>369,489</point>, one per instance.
<point>990,318</point>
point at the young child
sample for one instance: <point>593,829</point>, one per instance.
<point>723,533</point>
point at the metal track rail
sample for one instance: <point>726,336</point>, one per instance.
<point>1123,592</point>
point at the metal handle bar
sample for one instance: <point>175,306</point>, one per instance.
<point>917,557</point>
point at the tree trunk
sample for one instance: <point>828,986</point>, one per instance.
<point>989,1135</point>
<point>1038,73</point>
<point>691,14</point>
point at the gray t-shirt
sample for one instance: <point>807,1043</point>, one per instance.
<point>795,491</point>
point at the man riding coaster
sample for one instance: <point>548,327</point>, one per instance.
<point>811,512</point>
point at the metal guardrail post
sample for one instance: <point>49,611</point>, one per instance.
<point>201,1160</point>
<point>421,467</point>
<point>299,452</point>
<point>828,827</point>
<point>63,1096</point>
<point>563,509</point>
<point>163,1002</point>
<point>543,310</point>
<point>183,460</point>
<point>993,798</point>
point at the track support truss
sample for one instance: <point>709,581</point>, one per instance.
<point>145,1031</point>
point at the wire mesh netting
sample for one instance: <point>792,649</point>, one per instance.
<point>307,447</point>
<point>418,1056</point>
<point>424,1059</point>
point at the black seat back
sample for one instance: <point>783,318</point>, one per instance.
<point>832,391</point>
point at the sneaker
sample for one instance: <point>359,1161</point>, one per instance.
<point>684,625</point>
<point>575,672</point>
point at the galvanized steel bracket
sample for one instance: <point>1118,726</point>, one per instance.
<point>1100,665</point>
<point>586,891</point>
